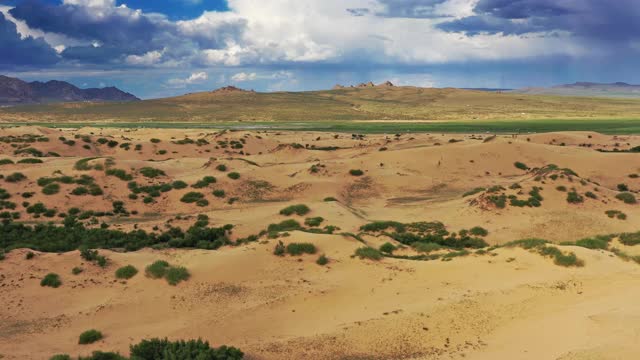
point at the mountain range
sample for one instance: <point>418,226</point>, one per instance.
<point>14,91</point>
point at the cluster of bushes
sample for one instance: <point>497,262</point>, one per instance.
<point>428,232</point>
<point>89,337</point>
<point>162,269</point>
<point>126,272</point>
<point>627,198</point>
<point>541,247</point>
<point>83,165</point>
<point>616,214</point>
<point>72,236</point>
<point>194,197</point>
<point>151,172</point>
<point>51,280</point>
<point>93,256</point>
<point>299,210</point>
<point>119,173</point>
<point>204,182</point>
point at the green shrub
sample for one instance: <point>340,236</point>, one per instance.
<point>233,175</point>
<point>179,185</point>
<point>79,191</point>
<point>120,174</point>
<point>151,172</point>
<point>356,172</point>
<point>561,188</point>
<point>6,162</point>
<point>219,193</point>
<point>574,198</point>
<point>287,225</point>
<point>630,239</point>
<point>60,357</point>
<point>616,214</point>
<point>206,181</point>
<point>591,195</point>
<point>51,280</point>
<point>156,349</point>
<point>594,243</point>
<point>527,243</point>
<point>192,197</point>
<point>155,141</point>
<point>30,255</point>
<point>478,231</point>
<point>388,248</point>
<point>89,337</point>
<point>221,167</point>
<point>368,253</point>
<point>314,221</point>
<point>157,270</point>
<point>202,202</point>
<point>175,275</point>
<point>299,209</point>
<point>77,270</point>
<point>296,249</point>
<point>559,258</point>
<point>521,166</point>
<point>627,198</point>
<point>51,189</point>
<point>30,161</point>
<point>126,272</point>
<point>15,177</point>
<point>330,199</point>
<point>280,249</point>
<point>623,187</point>
<point>322,260</point>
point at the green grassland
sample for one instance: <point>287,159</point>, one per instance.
<point>378,109</point>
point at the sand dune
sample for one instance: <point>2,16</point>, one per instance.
<point>505,303</point>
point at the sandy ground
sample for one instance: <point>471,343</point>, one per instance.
<point>512,304</point>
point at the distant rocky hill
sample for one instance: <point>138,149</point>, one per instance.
<point>618,89</point>
<point>15,92</point>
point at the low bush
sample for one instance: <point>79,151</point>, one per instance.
<point>314,221</point>
<point>299,210</point>
<point>175,275</point>
<point>330,199</point>
<point>623,187</point>
<point>152,173</point>
<point>627,198</point>
<point>356,172</point>
<point>15,177</point>
<point>51,280</point>
<point>221,167</point>
<point>233,175</point>
<point>296,249</point>
<point>157,270</point>
<point>126,272</point>
<point>77,270</point>
<point>192,197</point>
<point>368,253</point>
<point>473,192</point>
<point>30,161</point>
<point>89,337</point>
<point>322,260</point>
<point>521,166</point>
<point>179,185</point>
<point>219,193</point>
<point>478,231</point>
<point>616,214</point>
<point>574,198</point>
<point>287,225</point>
<point>204,182</point>
<point>388,248</point>
<point>51,189</point>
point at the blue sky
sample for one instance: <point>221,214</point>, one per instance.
<point>162,48</point>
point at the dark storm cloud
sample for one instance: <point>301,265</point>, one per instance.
<point>596,19</point>
<point>18,52</point>
<point>110,34</point>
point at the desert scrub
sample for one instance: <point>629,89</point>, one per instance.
<point>287,225</point>
<point>77,270</point>
<point>322,260</point>
<point>51,280</point>
<point>296,249</point>
<point>126,272</point>
<point>356,172</point>
<point>426,247</point>
<point>330,199</point>
<point>89,337</point>
<point>221,167</point>
<point>388,248</point>
<point>623,187</point>
<point>630,239</point>
<point>30,161</point>
<point>192,197</point>
<point>598,242</point>
<point>157,269</point>
<point>152,173</point>
<point>299,210</point>
<point>204,182</point>
<point>616,214</point>
<point>314,221</point>
<point>29,255</point>
<point>219,193</point>
<point>560,258</point>
<point>179,185</point>
<point>473,192</point>
<point>368,253</point>
<point>51,189</point>
<point>591,195</point>
<point>233,175</point>
<point>175,275</point>
<point>574,198</point>
<point>119,173</point>
<point>478,231</point>
<point>15,177</point>
<point>521,166</point>
<point>6,162</point>
<point>561,188</point>
<point>627,198</point>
